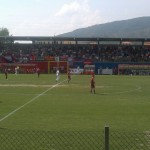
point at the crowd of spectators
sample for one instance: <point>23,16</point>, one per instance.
<point>24,53</point>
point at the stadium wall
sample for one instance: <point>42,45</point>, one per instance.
<point>43,65</point>
<point>50,66</point>
<point>114,65</point>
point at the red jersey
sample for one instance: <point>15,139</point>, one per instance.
<point>68,73</point>
<point>6,71</point>
<point>92,82</point>
<point>38,70</point>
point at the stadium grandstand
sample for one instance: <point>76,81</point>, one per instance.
<point>81,55</point>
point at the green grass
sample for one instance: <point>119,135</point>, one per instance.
<point>122,102</point>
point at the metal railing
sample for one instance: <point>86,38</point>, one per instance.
<point>79,140</point>
<point>129,141</point>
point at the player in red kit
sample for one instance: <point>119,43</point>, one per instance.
<point>6,72</point>
<point>69,76</point>
<point>92,85</point>
<point>38,72</point>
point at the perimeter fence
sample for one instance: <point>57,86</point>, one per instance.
<point>78,140</point>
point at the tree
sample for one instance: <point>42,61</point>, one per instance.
<point>4,32</point>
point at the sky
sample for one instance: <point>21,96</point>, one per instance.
<point>54,17</point>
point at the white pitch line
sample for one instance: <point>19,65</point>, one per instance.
<point>33,99</point>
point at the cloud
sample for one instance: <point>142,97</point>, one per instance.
<point>68,9</point>
<point>77,14</point>
<point>71,16</point>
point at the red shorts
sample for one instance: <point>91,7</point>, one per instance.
<point>92,86</point>
<point>69,77</point>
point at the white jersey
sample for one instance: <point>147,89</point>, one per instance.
<point>57,75</point>
<point>16,70</point>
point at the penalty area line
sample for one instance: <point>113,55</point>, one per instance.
<point>30,101</point>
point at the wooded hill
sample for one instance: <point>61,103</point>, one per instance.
<point>132,28</point>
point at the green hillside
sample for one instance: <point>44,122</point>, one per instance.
<point>133,28</point>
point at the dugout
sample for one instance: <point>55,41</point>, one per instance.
<point>89,69</point>
<point>134,69</point>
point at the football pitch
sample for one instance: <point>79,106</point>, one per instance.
<point>31,103</point>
